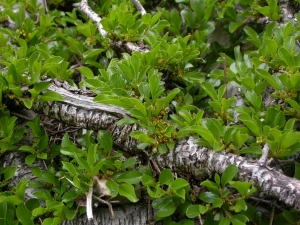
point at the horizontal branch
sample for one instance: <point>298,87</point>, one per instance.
<point>187,157</point>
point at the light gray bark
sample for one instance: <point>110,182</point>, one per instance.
<point>133,214</point>
<point>187,157</point>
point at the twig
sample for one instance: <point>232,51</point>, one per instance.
<point>200,219</point>
<point>225,76</point>
<point>139,6</point>
<point>89,209</point>
<point>272,214</point>
<point>264,156</point>
<point>109,206</point>
<point>84,7</point>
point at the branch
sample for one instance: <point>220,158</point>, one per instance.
<point>139,6</point>
<point>84,7</point>
<point>288,9</point>
<point>187,157</point>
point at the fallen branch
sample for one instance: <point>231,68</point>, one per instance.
<point>187,157</point>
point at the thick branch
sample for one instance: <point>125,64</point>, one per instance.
<point>187,157</point>
<point>200,161</point>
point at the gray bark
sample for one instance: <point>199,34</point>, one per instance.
<point>187,157</point>
<point>133,214</point>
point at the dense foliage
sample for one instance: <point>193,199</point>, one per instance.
<point>200,57</point>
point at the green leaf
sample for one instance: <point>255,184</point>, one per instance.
<point>209,89</point>
<point>294,104</point>
<point>30,159</point>
<point>250,123</point>
<point>21,187</point>
<point>208,197</point>
<point>144,89</point>
<point>126,121</point>
<point>217,203</point>
<point>113,187</point>
<point>49,178</point>
<point>83,163</point>
<point>39,87</point>
<point>9,172</point>
<point>242,187</point>
<point>253,36</point>
<point>213,187</point>
<point>251,150</point>
<point>154,82</point>
<point>105,140</point>
<point>24,215</point>
<point>141,136</point>
<point>7,214</point>
<point>53,221</point>
<point>92,52</point>
<point>291,217</point>
<point>166,211</point>
<point>239,139</point>
<point>87,72</point>
<point>179,183</point>
<point>287,57</point>
<point>289,139</point>
<point>190,17</point>
<point>51,96</point>
<point>68,147</point>
<point>198,7</point>
<point>69,196</point>
<point>297,171</point>
<point>128,163</point>
<point>228,174</point>
<point>195,210</point>
<point>44,194</point>
<point>224,221</point>
<point>127,190</point>
<point>130,177</point>
<point>166,177</point>
<point>70,168</point>
<point>239,219</point>
<point>91,157</point>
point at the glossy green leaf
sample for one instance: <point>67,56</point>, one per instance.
<point>195,210</point>
<point>166,177</point>
<point>209,89</point>
<point>21,187</point>
<point>217,203</point>
<point>127,190</point>
<point>91,156</point>
<point>253,36</point>
<point>92,52</point>
<point>250,123</point>
<point>208,197</point>
<point>86,72</point>
<point>179,183</point>
<point>130,177</point>
<point>166,211</point>
<point>24,215</point>
<point>113,188</point>
<point>105,140</point>
<point>228,174</point>
<point>50,96</point>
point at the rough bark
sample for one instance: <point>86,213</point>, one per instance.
<point>187,157</point>
<point>139,214</point>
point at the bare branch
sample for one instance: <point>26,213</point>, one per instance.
<point>264,156</point>
<point>139,6</point>
<point>89,209</point>
<point>187,157</point>
<point>84,7</point>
